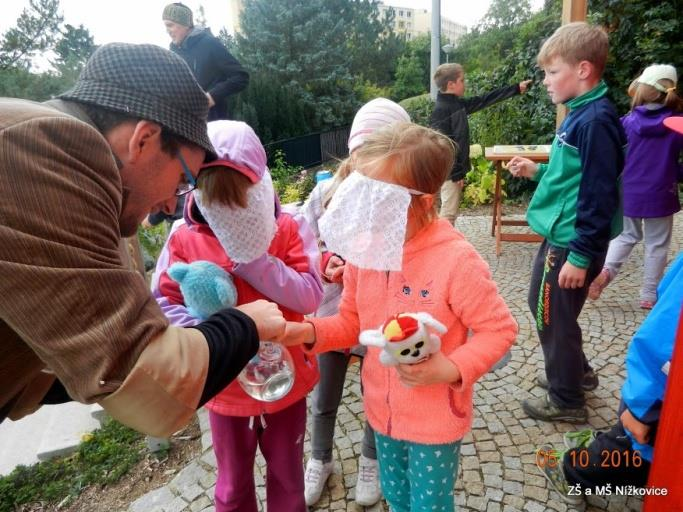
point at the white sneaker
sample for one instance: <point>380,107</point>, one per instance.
<point>367,486</point>
<point>315,476</point>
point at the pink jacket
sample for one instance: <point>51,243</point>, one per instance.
<point>444,276</point>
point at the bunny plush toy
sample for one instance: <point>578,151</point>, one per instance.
<point>405,338</point>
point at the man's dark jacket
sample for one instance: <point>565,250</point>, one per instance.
<point>450,118</point>
<point>216,70</point>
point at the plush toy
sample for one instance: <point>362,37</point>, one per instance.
<point>205,286</point>
<point>405,338</point>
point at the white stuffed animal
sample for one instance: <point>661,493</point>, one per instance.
<point>405,338</point>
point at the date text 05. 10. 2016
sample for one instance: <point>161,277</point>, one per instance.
<point>581,459</point>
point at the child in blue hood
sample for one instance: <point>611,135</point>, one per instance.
<point>651,175</point>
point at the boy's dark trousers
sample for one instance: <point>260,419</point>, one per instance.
<point>611,460</point>
<point>556,311</point>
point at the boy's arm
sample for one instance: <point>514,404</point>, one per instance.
<point>475,103</point>
<point>602,162</point>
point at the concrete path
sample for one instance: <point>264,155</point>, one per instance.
<point>52,431</point>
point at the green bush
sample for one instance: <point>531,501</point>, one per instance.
<point>480,183</point>
<point>102,458</point>
<point>152,239</point>
<point>419,108</point>
<point>291,182</point>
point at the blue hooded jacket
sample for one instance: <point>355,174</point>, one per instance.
<point>650,352</point>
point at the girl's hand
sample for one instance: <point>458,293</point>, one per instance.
<point>438,369</point>
<point>521,167</point>
<point>297,333</point>
<point>640,431</point>
<point>571,276</point>
<point>334,271</point>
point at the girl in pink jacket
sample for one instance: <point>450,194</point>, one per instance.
<point>232,220</point>
<point>402,259</point>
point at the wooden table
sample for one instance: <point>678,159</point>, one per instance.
<point>498,155</point>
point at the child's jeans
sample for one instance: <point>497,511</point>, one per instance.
<point>417,477</point>
<point>325,400</point>
<point>281,440</point>
<point>657,235</point>
<point>557,311</point>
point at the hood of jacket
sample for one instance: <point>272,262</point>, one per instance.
<point>191,39</point>
<point>647,121</point>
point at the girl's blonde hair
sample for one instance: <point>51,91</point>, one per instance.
<point>224,185</point>
<point>642,94</point>
<point>419,158</point>
<point>343,170</point>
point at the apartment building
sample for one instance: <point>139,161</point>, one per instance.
<point>414,22</point>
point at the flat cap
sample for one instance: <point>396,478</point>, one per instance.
<point>147,82</point>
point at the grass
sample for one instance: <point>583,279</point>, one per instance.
<point>102,458</point>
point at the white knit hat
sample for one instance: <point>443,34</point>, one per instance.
<point>652,74</point>
<point>375,114</point>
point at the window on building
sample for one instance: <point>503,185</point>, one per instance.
<point>400,13</point>
<point>409,14</point>
<point>401,24</point>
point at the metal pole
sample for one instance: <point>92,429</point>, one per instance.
<point>436,44</point>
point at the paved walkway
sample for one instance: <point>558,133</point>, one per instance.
<point>497,470</point>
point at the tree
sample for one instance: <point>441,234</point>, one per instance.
<point>73,49</point>
<point>413,69</point>
<point>641,32</point>
<point>503,14</point>
<point>372,43</point>
<point>36,30</point>
<point>302,54</point>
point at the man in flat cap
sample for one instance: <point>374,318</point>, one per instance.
<point>216,70</point>
<point>77,174</point>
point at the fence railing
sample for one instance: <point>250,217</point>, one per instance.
<point>312,149</point>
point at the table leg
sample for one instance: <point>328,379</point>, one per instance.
<point>497,201</point>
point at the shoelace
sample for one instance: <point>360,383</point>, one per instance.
<point>368,474</point>
<point>581,438</point>
<point>313,474</point>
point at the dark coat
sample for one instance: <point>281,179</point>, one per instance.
<point>216,70</point>
<point>450,118</point>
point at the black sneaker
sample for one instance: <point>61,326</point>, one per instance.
<point>544,409</point>
<point>590,381</point>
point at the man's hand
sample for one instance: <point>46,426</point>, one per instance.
<point>268,319</point>
<point>438,369</point>
<point>211,102</point>
<point>571,276</point>
<point>521,167</point>
<point>334,271</point>
<point>145,223</point>
<point>640,431</point>
<point>460,183</point>
<point>524,86</point>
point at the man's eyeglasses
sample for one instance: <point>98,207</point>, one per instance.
<point>190,184</point>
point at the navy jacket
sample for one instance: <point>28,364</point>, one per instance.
<point>216,70</point>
